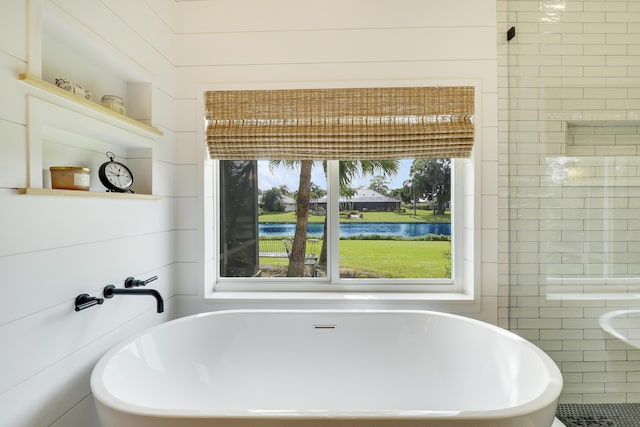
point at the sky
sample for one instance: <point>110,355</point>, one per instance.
<point>268,178</point>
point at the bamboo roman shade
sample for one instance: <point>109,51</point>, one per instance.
<point>340,124</point>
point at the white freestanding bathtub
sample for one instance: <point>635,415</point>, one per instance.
<point>268,368</point>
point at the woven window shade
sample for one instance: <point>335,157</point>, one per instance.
<point>340,124</point>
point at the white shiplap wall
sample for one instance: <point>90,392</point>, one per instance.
<point>289,42</point>
<point>54,248</point>
<point>572,210</point>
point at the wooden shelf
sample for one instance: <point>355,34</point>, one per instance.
<point>94,109</point>
<point>79,193</point>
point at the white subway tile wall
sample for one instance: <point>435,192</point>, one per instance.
<point>569,176</point>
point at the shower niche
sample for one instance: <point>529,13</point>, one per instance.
<point>602,138</point>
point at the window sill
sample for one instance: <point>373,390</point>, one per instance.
<point>436,300</point>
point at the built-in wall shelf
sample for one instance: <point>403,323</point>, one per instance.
<point>65,129</point>
<point>78,193</point>
<point>54,94</point>
<point>62,136</point>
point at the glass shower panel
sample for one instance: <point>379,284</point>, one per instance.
<point>572,105</point>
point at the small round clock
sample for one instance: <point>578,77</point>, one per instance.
<point>115,176</point>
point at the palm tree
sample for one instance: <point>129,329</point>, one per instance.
<point>348,170</point>
<point>299,245</point>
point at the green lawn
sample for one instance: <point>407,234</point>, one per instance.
<point>395,258</point>
<point>421,216</point>
<point>388,259</point>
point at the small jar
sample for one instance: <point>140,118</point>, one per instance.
<point>70,178</point>
<point>114,103</point>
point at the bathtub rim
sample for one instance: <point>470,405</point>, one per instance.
<point>549,396</point>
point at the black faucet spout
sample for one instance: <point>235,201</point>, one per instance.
<point>110,291</point>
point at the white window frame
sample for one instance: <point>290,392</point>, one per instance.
<point>466,232</point>
<point>333,281</point>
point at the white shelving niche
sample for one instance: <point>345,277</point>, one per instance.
<point>65,129</point>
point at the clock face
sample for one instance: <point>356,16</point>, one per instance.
<point>118,175</point>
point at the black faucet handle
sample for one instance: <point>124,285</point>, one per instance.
<point>131,282</point>
<point>151,279</point>
<point>84,301</point>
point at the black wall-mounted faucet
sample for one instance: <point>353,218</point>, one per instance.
<point>110,291</point>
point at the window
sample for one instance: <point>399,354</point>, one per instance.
<point>314,230</point>
<point>390,225</point>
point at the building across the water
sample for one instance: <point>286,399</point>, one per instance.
<point>363,200</point>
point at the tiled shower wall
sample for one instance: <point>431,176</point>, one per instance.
<point>569,89</point>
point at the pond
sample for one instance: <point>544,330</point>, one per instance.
<point>402,229</point>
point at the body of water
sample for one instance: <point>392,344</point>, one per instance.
<point>403,229</point>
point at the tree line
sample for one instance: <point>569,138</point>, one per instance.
<point>429,180</point>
